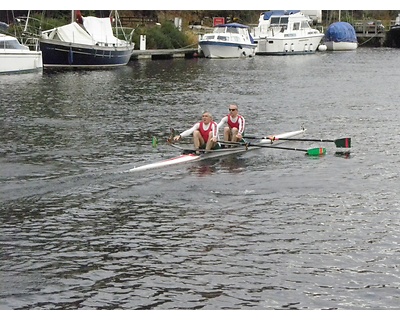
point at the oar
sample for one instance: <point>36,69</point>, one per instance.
<point>340,143</point>
<point>309,152</point>
<point>154,142</point>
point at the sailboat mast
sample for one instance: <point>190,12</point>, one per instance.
<point>27,21</point>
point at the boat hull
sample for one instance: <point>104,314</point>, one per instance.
<point>341,46</point>
<point>59,54</point>
<point>288,46</point>
<point>393,37</point>
<point>185,158</point>
<point>20,61</point>
<point>215,49</point>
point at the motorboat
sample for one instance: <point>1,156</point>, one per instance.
<point>340,36</point>
<point>285,32</point>
<point>16,57</point>
<point>231,40</point>
<point>86,42</point>
<point>393,36</point>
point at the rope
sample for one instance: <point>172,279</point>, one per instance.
<point>368,40</point>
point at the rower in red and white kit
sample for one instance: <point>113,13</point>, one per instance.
<point>235,125</point>
<point>205,133</point>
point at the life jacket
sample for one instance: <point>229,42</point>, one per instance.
<point>206,133</point>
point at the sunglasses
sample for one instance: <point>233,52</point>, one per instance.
<point>232,109</point>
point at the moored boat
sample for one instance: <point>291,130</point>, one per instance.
<point>285,32</point>
<point>88,44</point>
<point>191,156</point>
<point>340,36</point>
<point>16,57</point>
<point>231,40</point>
<point>393,36</point>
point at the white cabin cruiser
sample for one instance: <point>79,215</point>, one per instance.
<point>16,57</point>
<point>231,40</point>
<point>284,32</point>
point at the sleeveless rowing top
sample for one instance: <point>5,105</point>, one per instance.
<point>232,124</point>
<point>206,133</point>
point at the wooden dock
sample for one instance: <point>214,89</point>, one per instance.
<point>371,39</point>
<point>165,54</point>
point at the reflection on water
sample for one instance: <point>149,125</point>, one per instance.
<point>233,164</point>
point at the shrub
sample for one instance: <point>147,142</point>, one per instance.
<point>165,36</point>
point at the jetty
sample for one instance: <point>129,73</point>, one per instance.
<point>165,54</point>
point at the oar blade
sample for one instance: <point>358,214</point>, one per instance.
<point>343,143</point>
<point>154,142</point>
<point>316,152</point>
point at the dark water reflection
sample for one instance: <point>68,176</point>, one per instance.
<point>270,229</point>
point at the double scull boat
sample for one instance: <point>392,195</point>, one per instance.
<point>192,156</point>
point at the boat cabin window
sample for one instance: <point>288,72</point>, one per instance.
<point>232,30</point>
<point>305,25</point>
<point>279,22</point>
<point>223,38</point>
<point>296,26</point>
<point>11,44</point>
<point>284,20</point>
<point>208,37</point>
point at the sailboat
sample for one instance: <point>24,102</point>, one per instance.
<point>86,42</point>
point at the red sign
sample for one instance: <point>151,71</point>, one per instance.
<point>218,20</point>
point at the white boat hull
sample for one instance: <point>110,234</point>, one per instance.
<point>232,40</point>
<point>341,46</point>
<point>16,57</point>
<point>185,158</point>
<point>20,61</point>
<point>214,49</point>
<point>288,46</point>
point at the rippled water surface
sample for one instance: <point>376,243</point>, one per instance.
<point>269,229</point>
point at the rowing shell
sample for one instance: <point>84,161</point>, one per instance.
<point>192,157</point>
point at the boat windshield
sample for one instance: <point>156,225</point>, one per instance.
<point>232,30</point>
<point>12,44</point>
<point>305,25</point>
<point>279,21</point>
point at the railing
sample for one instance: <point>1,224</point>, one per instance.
<point>369,27</point>
<point>134,20</point>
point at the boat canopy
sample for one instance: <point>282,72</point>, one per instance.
<point>100,29</point>
<point>96,31</point>
<point>234,25</point>
<point>72,32</point>
<point>341,32</point>
<point>269,14</point>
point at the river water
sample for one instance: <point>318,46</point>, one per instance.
<point>267,230</point>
